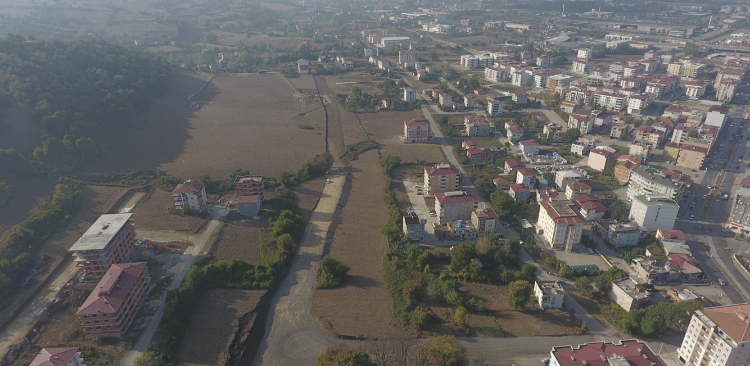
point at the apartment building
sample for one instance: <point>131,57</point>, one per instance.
<point>410,95</point>
<point>453,206</point>
<point>579,95</point>
<point>412,226</point>
<point>637,103</point>
<point>529,147</point>
<point>513,164</point>
<point>112,305</point>
<point>600,157</point>
<point>190,196</point>
<point>515,133</point>
<point>66,356</point>
<point>108,241</point>
<point>445,100</point>
<point>623,235</point>
<point>695,89</point>
<point>549,294</point>
<point>543,61</point>
<point>647,180</point>
<point>583,67</point>
<point>441,178</point>
<point>585,53</point>
<point>417,130</point>
<point>611,101</point>
<point>250,185</point>
<point>654,212</point>
<point>521,78</point>
<point>717,336</point>
<point>629,294</point>
<point>564,178</point>
<point>630,352</point>
<point>485,221</point>
<point>691,156</point>
<point>553,131</point>
<point>527,177</point>
<point>494,108</point>
<point>726,89</point>
<point>404,56</point>
<point>558,80</point>
<point>581,121</point>
<point>560,225</point>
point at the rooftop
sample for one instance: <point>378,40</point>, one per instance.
<point>733,320</point>
<point>655,176</point>
<point>550,287</point>
<point>412,219</point>
<point>188,187</point>
<point>248,199</point>
<point>441,169</point>
<point>628,352</point>
<point>529,143</point>
<point>54,356</point>
<point>250,178</point>
<point>514,163</point>
<point>112,289</point>
<point>417,122</point>
<point>632,288</point>
<point>671,234</point>
<point>517,187</point>
<point>101,232</point>
<point>650,200</point>
<point>448,198</point>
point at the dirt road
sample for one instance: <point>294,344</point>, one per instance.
<point>186,262</point>
<point>293,336</point>
<point>334,128</point>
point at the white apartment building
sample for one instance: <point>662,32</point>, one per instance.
<point>695,89</point>
<point>637,103</point>
<point>647,180</point>
<point>718,336</point>
<point>390,42</point>
<point>494,108</point>
<point>190,196</point>
<point>725,91</point>
<point>576,95</point>
<point>410,95</point>
<point>654,212</point>
<point>560,225</point>
<point>494,74</point>
<point>549,294</point>
<point>585,53</point>
<point>521,78</point>
<point>404,56</point>
<point>582,66</point>
<point>611,101</point>
<point>453,206</point>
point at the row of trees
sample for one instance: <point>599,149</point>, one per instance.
<point>439,351</point>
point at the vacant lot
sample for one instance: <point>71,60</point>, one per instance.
<point>214,323</point>
<point>152,213</point>
<point>245,121</point>
<point>387,127</point>
<point>238,240</point>
<point>27,193</point>
<point>361,306</point>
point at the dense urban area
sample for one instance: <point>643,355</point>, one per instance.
<point>399,183</point>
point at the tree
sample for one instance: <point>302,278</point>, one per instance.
<point>149,359</point>
<point>434,55</point>
<point>583,285</point>
<point>342,355</point>
<point>527,272</point>
<point>619,211</point>
<point>689,49</point>
<point>693,134</point>
<point>547,175</point>
<point>442,351</point>
<point>461,256</point>
<point>519,294</point>
<point>602,283</point>
<point>572,134</point>
<point>460,316</point>
<point>509,104</point>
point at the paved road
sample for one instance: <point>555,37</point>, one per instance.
<point>186,262</point>
<point>293,336</point>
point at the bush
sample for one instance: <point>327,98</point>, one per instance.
<point>331,273</point>
<point>353,150</point>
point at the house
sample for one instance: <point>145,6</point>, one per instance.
<point>412,226</point>
<point>190,196</point>
<point>417,130</point>
<point>519,192</point>
<point>501,183</point>
<point>250,185</point>
<point>476,154</point>
<point>565,177</point>
<point>521,99</point>
<point>619,131</point>
<point>303,66</point>
<point>529,147</point>
<point>108,241</point>
<point>561,228</point>
<point>515,133</point>
<point>728,330</point>
<point>453,206</point>
<point>588,206</point>
<point>446,100</point>
<point>673,242</point>
<point>513,164</point>
<point>469,144</point>
<point>549,294</point>
<point>527,177</point>
<point>441,178</point>
<point>688,267</point>
<point>691,157</point>
<point>485,221</point>
<point>495,108</point>
<point>600,157</point>
<point>470,101</point>
<point>553,131</point>
<point>113,304</point>
<point>576,188</point>
<point>629,294</point>
<point>654,212</point>
<point>623,235</point>
<point>66,356</point>
<point>249,205</point>
<point>477,125</point>
<point>625,353</point>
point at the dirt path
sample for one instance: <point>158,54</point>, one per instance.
<point>293,337</point>
<point>187,261</point>
<point>335,144</point>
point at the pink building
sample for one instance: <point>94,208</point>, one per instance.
<point>599,157</point>
<point>68,356</point>
<point>417,130</point>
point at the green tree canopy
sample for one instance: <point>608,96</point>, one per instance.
<point>519,294</point>
<point>342,355</point>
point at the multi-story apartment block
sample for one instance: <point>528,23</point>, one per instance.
<point>404,56</point>
<point>625,353</point>
<point>441,178</point>
<point>189,195</point>
<point>68,356</point>
<point>527,177</point>
<point>521,78</point>
<point>515,133</point>
<point>543,61</point>
<point>619,130</point>
<point>579,95</point>
<point>582,122</point>
<point>453,206</point>
<point>600,157</point>
<point>446,100</point>
<point>691,156</point>
<point>583,67</point>
<point>718,336</point>
<point>726,89</point>
<point>417,130</point>
<point>250,185</point>
<point>637,103</point>
<point>108,241</point>
<point>647,180</point>
<point>680,133</point>
<point>739,218</point>
<point>611,101</point>
<point>495,74</point>
<point>485,221</point>
<point>410,95</point>
<point>412,226</point>
<point>558,80</point>
<point>695,89</point>
<point>494,108</point>
<point>549,294</point>
<point>111,307</point>
<point>585,53</point>
<point>628,294</point>
<point>560,224</point>
<point>553,131</point>
<point>654,212</point>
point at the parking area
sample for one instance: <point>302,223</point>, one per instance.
<point>581,256</point>
<point>420,207</point>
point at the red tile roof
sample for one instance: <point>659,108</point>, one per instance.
<point>417,122</point>
<point>529,143</point>
<point>515,129</point>
<point>728,320</point>
<point>188,187</point>
<point>112,289</point>
<point>487,213</point>
<point>601,152</point>
<point>699,149</point>
<point>472,151</point>
<point>517,188</point>
<point>634,351</point>
<point>672,234</point>
<point>526,171</point>
<point>451,198</point>
<point>54,356</point>
<point>435,171</point>
<point>248,199</point>
<point>746,182</point>
<point>514,163</point>
<point>632,158</point>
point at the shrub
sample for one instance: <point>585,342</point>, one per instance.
<point>331,273</point>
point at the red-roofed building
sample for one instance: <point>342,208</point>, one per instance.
<point>453,206</point>
<point>190,195</point>
<point>560,225</point>
<point>476,125</point>
<point>689,270</point>
<point>576,189</point>
<point>68,356</point>
<point>589,207</point>
<point>745,187</point>
<point>630,352</point>
<point>249,205</point>
<point>468,144</point>
<point>501,183</point>
<point>527,177</point>
<point>440,178</point>
<point>717,336</point>
<point>529,147</point>
<point>111,307</point>
<point>691,157</point>
<point>519,192</point>
<point>600,157</point>
<point>515,133</point>
<point>513,164</point>
<point>476,154</point>
<point>623,170</point>
<point>417,130</point>
<point>485,221</point>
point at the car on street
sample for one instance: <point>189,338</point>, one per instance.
<point>692,217</point>
<point>722,282</point>
<point>591,250</point>
<point>705,196</point>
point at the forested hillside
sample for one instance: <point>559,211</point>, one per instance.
<point>75,89</point>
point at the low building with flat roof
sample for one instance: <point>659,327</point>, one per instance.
<point>549,294</point>
<point>108,241</point>
<point>629,294</point>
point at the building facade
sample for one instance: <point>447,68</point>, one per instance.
<point>718,336</point>
<point>549,294</point>
<point>250,185</point>
<point>454,206</point>
<point>654,212</point>
<point>441,178</point>
<point>417,130</point>
<point>190,196</point>
<point>108,241</point>
<point>560,225</point>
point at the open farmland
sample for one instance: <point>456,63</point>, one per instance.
<point>357,242</point>
<point>387,127</point>
<point>214,323</point>
<point>240,123</point>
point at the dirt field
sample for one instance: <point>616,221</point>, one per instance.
<point>387,127</point>
<point>246,121</point>
<point>357,242</point>
<point>151,213</point>
<point>214,323</point>
<point>239,241</point>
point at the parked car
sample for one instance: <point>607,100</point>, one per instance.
<point>692,217</point>
<point>591,250</point>
<point>722,282</point>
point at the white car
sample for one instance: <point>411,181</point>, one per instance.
<point>692,217</point>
